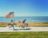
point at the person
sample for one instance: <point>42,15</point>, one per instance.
<point>11,24</point>
<point>24,20</point>
<point>24,24</point>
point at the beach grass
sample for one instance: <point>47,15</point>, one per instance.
<point>38,24</point>
<point>23,34</point>
<point>33,24</point>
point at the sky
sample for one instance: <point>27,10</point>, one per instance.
<point>24,7</point>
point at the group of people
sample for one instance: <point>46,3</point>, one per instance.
<point>21,24</point>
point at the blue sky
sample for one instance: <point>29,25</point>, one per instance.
<point>24,7</point>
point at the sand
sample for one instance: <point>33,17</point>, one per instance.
<point>32,29</point>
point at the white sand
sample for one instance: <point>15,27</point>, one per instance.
<point>33,29</point>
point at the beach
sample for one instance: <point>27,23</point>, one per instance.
<point>32,29</point>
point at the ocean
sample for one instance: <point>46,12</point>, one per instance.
<point>28,19</point>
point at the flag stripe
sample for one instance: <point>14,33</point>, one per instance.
<point>10,15</point>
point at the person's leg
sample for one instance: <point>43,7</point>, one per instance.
<point>13,27</point>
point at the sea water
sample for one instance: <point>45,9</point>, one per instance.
<point>28,19</point>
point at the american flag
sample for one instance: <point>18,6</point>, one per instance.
<point>10,15</point>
